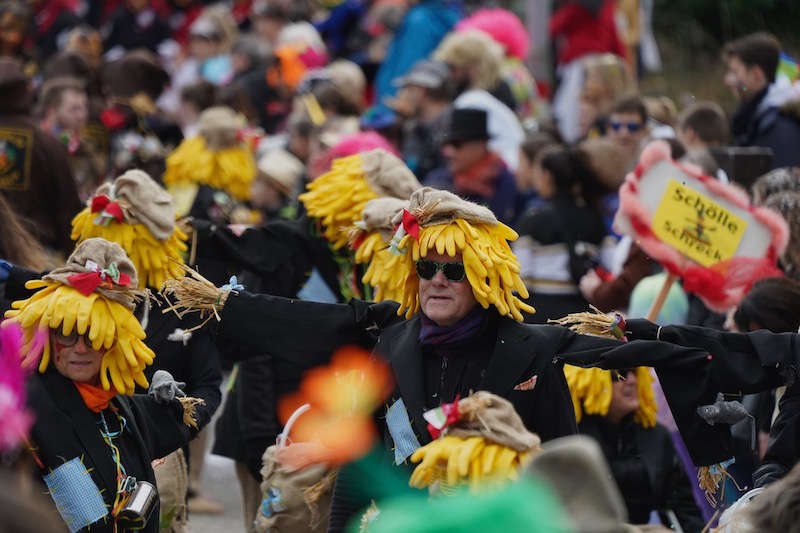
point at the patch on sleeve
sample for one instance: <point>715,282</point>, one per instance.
<point>528,384</point>
<point>16,147</point>
<point>75,495</point>
<point>405,441</point>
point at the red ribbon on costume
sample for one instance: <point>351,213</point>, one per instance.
<point>410,224</point>
<point>450,411</point>
<point>104,204</point>
<point>87,282</point>
<point>359,240</point>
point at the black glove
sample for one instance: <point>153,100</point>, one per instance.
<point>641,329</point>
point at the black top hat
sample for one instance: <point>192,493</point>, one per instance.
<point>467,124</point>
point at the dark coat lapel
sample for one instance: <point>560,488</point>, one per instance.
<point>405,356</point>
<point>513,354</point>
<point>84,424</point>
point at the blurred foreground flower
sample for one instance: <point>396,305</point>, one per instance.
<point>338,426</point>
<point>15,419</point>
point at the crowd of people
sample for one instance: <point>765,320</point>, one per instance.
<point>201,202</point>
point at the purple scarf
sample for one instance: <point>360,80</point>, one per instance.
<point>431,334</point>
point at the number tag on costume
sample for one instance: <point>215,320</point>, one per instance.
<point>75,495</point>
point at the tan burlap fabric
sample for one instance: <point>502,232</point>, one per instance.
<point>172,481</point>
<point>103,253</point>
<point>387,175</point>
<point>303,495</point>
<point>379,214</point>
<point>219,126</point>
<point>432,206</point>
<point>143,201</point>
<point>483,414</point>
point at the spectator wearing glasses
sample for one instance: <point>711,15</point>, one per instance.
<point>473,170</point>
<point>638,449</point>
<point>627,125</point>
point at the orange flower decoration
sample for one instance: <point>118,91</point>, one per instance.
<point>343,396</point>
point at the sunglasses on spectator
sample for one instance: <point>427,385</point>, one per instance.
<point>632,127</point>
<point>426,269</point>
<point>72,338</point>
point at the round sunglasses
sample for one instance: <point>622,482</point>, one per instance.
<point>426,269</point>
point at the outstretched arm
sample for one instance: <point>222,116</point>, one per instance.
<point>305,333</point>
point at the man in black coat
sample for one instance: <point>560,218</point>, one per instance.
<point>762,118</point>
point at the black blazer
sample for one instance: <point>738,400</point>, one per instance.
<point>65,429</point>
<point>520,352</point>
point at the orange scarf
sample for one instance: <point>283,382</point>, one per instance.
<point>95,398</point>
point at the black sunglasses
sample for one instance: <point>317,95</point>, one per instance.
<point>621,374</point>
<point>426,269</point>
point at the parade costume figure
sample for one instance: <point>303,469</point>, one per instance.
<point>138,214</point>
<point>148,233</point>
<point>639,451</point>
<point>92,439</point>
<point>218,157</point>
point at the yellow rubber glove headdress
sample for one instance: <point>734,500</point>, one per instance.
<point>338,197</point>
<point>216,157</point>
<point>371,238</point>
<point>451,225</point>
<point>136,213</point>
<point>93,293</point>
<point>591,392</point>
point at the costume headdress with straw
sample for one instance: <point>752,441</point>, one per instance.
<point>338,197</point>
<point>441,222</point>
<point>371,239</point>
<point>218,157</point>
<point>94,293</point>
<point>590,388</point>
<point>136,213</point>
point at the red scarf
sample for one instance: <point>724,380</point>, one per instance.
<point>479,179</point>
<point>95,398</point>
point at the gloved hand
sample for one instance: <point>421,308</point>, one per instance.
<point>164,388</point>
<point>640,329</point>
<point>5,269</point>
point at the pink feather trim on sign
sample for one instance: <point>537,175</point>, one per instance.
<point>720,286</point>
<point>15,419</point>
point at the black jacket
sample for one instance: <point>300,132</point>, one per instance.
<point>306,333</point>
<point>710,362</point>
<point>646,469</point>
<point>196,363</point>
<point>564,228</point>
<point>66,429</point>
<point>783,450</point>
<point>759,124</point>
